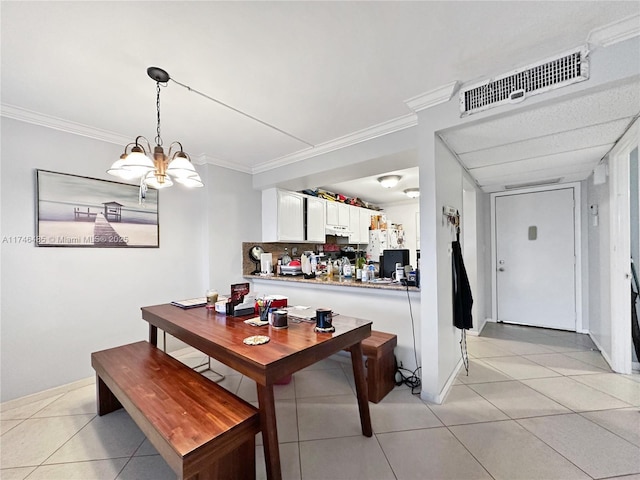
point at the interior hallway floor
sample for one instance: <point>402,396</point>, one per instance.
<point>537,404</point>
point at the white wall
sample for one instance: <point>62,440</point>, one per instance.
<point>483,216</point>
<point>234,216</point>
<point>441,183</point>
<point>585,222</point>
<point>449,190</point>
<point>391,311</point>
<point>599,261</point>
<point>475,250</point>
<point>60,304</point>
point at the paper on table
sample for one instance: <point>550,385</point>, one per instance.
<point>256,322</point>
<point>306,314</point>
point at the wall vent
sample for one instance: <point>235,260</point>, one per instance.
<point>533,184</point>
<point>513,87</point>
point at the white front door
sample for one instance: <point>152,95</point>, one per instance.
<point>535,259</point>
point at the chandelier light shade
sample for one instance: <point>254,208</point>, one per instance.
<point>389,181</point>
<point>190,181</point>
<point>118,170</point>
<point>153,181</point>
<point>156,169</point>
<point>412,192</point>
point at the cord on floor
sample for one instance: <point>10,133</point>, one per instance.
<point>463,350</point>
<point>404,376</point>
<point>409,378</point>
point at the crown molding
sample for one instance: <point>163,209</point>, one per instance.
<point>615,32</point>
<point>48,121</point>
<point>203,159</point>
<point>380,130</point>
<point>36,118</point>
<point>432,98</point>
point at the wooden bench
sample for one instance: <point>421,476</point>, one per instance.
<point>381,364</point>
<point>200,429</point>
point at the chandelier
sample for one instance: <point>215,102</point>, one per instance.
<point>156,169</point>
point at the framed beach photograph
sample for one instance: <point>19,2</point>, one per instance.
<point>75,211</point>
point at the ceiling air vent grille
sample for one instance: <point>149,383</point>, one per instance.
<point>515,86</point>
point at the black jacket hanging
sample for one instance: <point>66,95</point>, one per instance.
<point>462,298</point>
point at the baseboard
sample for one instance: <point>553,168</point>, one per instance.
<point>476,333</point>
<point>43,395</point>
<point>439,398</point>
<point>599,347</point>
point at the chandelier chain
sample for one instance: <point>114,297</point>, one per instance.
<point>158,138</point>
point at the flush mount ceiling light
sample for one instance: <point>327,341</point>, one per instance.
<point>156,170</point>
<point>389,181</point>
<point>412,192</point>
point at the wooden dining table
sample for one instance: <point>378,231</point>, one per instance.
<point>287,351</point>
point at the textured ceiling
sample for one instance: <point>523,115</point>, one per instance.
<point>566,139</point>
<point>317,70</point>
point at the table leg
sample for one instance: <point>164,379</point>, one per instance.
<point>268,424</point>
<point>153,335</point>
<point>361,389</point>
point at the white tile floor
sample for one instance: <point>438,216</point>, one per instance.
<point>537,404</point>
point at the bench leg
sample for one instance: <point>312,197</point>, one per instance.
<point>239,464</point>
<point>107,401</point>
<point>380,376</point>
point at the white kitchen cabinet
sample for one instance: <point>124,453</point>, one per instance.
<point>359,221</point>
<point>332,213</point>
<point>337,214</point>
<point>337,219</point>
<point>315,219</point>
<point>282,216</point>
<point>343,214</point>
<point>354,224</point>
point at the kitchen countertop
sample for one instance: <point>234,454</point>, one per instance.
<point>334,282</point>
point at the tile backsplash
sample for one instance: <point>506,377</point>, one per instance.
<point>277,249</point>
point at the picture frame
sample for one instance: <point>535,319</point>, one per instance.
<point>76,211</point>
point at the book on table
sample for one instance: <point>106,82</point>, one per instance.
<point>190,302</point>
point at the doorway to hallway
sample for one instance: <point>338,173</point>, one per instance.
<point>535,258</point>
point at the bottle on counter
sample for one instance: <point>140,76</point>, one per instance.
<point>286,259</point>
<point>346,268</point>
<point>372,272</point>
<point>279,268</point>
<point>360,263</point>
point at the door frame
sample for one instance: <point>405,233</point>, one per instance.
<point>620,248</point>
<point>577,225</point>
